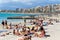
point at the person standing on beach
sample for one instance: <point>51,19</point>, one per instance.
<point>6,22</point>
<point>3,23</point>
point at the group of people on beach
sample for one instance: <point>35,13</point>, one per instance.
<point>26,32</point>
<point>36,30</point>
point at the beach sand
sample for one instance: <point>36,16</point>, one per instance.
<point>1,27</point>
<point>52,30</point>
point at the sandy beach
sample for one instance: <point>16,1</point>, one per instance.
<point>52,30</point>
<point>29,20</point>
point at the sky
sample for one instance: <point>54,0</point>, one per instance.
<point>13,4</point>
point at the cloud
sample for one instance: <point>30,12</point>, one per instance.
<point>3,1</point>
<point>28,2</point>
<point>12,6</point>
<point>21,1</point>
<point>53,0</point>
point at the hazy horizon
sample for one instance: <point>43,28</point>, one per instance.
<point>13,4</point>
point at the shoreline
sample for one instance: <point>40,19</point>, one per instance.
<point>27,13</point>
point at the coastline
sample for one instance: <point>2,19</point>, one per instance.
<point>52,30</point>
<point>31,13</point>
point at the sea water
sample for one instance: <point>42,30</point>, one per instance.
<point>5,15</point>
